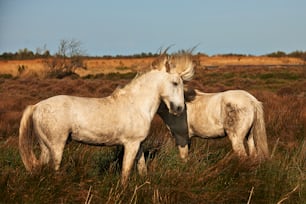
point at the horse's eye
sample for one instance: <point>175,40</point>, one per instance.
<point>174,83</point>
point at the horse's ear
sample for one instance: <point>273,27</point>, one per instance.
<point>167,65</point>
<point>189,94</point>
<point>162,60</point>
<point>158,63</point>
<point>165,51</point>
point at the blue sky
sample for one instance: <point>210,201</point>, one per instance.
<point>129,27</point>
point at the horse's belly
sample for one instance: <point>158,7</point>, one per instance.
<point>95,137</point>
<point>104,135</point>
<point>207,131</point>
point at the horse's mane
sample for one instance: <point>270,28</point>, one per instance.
<point>183,63</point>
<point>120,90</point>
<point>180,62</point>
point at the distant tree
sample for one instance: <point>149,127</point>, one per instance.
<point>68,58</point>
<point>46,54</point>
<point>7,56</point>
<point>277,54</point>
<point>24,54</point>
<point>42,52</point>
<point>298,54</point>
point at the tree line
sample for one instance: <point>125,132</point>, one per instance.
<point>73,49</point>
<point>23,54</point>
<point>66,49</point>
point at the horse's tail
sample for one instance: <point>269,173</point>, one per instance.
<point>26,140</point>
<point>259,133</point>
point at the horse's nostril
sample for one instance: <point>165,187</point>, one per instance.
<point>176,109</point>
<point>179,108</point>
<point>172,105</point>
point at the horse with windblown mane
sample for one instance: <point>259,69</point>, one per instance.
<point>122,118</point>
<point>236,114</point>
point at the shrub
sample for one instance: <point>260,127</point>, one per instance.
<point>6,76</point>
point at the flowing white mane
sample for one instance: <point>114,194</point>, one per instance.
<point>180,62</point>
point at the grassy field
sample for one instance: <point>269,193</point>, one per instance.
<point>91,174</point>
<point>37,67</point>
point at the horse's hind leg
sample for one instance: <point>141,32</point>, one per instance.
<point>45,153</point>
<point>237,125</point>
<point>55,144</point>
<point>238,145</point>
<point>237,138</point>
<point>52,136</point>
<point>251,145</point>
<point>57,154</point>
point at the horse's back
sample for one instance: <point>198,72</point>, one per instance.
<point>65,111</point>
<point>64,104</point>
<point>207,101</point>
<point>67,101</point>
<point>55,101</point>
<point>56,106</point>
<point>238,96</point>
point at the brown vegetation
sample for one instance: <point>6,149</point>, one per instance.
<point>91,173</point>
<point>123,65</point>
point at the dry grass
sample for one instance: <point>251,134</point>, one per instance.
<point>212,175</point>
<point>123,65</point>
<point>94,66</point>
<point>247,60</point>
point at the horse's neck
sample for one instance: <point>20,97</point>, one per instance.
<point>200,93</point>
<point>143,94</point>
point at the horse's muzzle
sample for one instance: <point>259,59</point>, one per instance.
<point>176,110</point>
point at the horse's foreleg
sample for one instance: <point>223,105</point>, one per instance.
<point>141,162</point>
<point>183,152</point>
<point>130,152</point>
<point>141,166</point>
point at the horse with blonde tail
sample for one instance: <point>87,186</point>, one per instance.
<point>123,118</point>
<point>236,114</point>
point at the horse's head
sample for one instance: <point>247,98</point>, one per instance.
<point>172,93</point>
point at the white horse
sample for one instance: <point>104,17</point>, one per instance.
<point>236,114</point>
<point>123,118</point>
